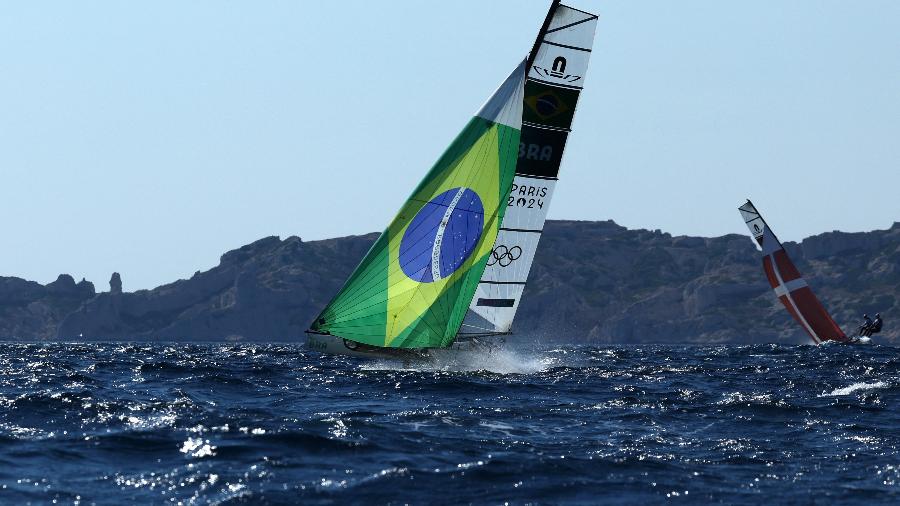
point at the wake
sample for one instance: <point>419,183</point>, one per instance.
<point>498,361</point>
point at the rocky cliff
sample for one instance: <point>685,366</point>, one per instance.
<point>29,310</point>
<point>592,281</point>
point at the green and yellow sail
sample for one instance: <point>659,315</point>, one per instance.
<point>414,286</point>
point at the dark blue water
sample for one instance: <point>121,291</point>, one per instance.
<point>188,424</point>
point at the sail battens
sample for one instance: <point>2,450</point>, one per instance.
<point>567,47</point>
<point>567,86</point>
<point>523,230</point>
<point>556,74</point>
<point>570,25</point>
<point>789,286</point>
<point>537,176</point>
<point>545,127</point>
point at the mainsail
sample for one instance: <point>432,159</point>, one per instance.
<point>556,72</point>
<point>413,287</point>
<point>789,285</point>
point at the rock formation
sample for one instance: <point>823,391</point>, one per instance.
<point>592,282</point>
<point>115,283</point>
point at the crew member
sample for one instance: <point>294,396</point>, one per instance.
<point>865,326</point>
<point>875,327</point>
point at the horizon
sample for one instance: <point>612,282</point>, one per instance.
<point>149,141</point>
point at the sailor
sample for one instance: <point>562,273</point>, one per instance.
<point>865,326</point>
<point>875,327</point>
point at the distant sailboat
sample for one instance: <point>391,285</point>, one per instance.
<point>790,287</point>
<point>462,245</point>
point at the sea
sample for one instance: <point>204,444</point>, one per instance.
<point>113,423</point>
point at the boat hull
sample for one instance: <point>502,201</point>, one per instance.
<point>334,345</point>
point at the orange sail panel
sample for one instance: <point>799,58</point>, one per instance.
<point>790,287</point>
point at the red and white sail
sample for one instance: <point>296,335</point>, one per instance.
<point>790,287</point>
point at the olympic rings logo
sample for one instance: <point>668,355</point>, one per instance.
<point>504,255</point>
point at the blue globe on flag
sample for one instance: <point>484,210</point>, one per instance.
<point>442,236</point>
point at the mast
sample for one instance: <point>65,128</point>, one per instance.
<point>537,40</point>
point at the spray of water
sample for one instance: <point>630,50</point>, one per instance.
<point>854,387</point>
<point>496,360</point>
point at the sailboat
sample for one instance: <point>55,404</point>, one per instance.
<point>451,267</point>
<point>790,287</point>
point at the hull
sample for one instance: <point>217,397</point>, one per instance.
<point>333,345</point>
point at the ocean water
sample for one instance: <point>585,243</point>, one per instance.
<point>270,424</point>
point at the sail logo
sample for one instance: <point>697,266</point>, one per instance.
<point>442,235</point>
<point>535,152</point>
<point>504,256</point>
<point>546,104</point>
<point>557,71</point>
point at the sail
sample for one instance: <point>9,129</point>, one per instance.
<point>414,285</point>
<point>556,75</point>
<point>790,287</point>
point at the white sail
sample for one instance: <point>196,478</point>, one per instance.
<point>555,78</point>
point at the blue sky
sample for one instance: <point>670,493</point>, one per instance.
<point>150,138</point>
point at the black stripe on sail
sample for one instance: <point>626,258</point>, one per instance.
<point>570,25</point>
<point>560,85</point>
<point>576,48</point>
<point>523,230</point>
<point>496,302</point>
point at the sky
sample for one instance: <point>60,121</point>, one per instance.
<point>149,138</point>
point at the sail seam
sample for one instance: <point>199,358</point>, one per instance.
<point>576,48</point>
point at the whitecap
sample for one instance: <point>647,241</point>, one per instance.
<point>854,387</point>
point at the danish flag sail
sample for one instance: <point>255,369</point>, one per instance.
<point>556,71</point>
<point>790,287</point>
